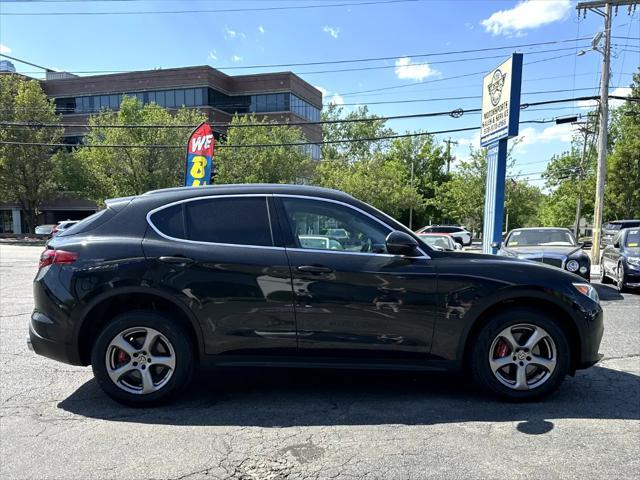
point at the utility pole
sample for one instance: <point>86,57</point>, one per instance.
<point>597,7</point>
<point>449,142</point>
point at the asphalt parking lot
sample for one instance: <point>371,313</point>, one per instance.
<point>56,424</point>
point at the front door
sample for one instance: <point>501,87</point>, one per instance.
<point>352,298</point>
<point>220,256</point>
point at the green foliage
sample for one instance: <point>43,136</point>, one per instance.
<point>100,172</point>
<point>375,172</point>
<point>27,173</point>
<point>622,195</point>
<point>283,164</point>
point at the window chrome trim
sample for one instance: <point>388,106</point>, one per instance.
<point>353,207</point>
<point>201,242</point>
<point>266,195</point>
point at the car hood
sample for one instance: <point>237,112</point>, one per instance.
<point>541,250</point>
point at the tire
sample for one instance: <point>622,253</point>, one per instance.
<point>620,281</point>
<point>163,371</point>
<point>539,381</point>
<point>603,275</point>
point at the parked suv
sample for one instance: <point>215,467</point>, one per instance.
<point>155,284</point>
<point>459,234</point>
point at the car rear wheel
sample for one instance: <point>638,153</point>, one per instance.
<point>142,358</point>
<point>604,279</point>
<point>521,355</point>
<point>621,280</point>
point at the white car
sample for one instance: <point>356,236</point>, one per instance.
<point>44,229</point>
<point>459,234</point>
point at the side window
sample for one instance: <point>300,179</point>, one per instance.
<point>320,225</point>
<point>236,220</point>
<point>170,221</point>
<point>232,220</point>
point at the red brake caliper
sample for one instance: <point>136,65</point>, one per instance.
<point>502,349</point>
<point>122,357</point>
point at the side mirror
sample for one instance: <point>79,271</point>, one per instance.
<point>496,245</point>
<point>587,244</point>
<point>400,243</point>
<point>616,245</point>
<point>457,246</point>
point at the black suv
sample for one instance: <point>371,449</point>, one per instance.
<point>248,275</point>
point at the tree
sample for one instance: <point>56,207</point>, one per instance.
<point>27,172</point>
<point>366,168</point>
<point>428,161</point>
<point>277,164</point>
<point>622,195</point>
<point>381,181</point>
<point>101,172</point>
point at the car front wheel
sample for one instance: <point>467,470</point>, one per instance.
<point>621,280</point>
<point>142,358</point>
<point>521,355</point>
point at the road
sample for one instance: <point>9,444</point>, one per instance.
<point>56,424</point>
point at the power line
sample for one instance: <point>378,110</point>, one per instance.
<point>222,10</point>
<point>456,113</point>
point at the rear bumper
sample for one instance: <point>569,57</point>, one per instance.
<point>47,347</point>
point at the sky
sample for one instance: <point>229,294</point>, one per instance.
<point>322,31</point>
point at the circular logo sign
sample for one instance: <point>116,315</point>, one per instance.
<point>495,87</point>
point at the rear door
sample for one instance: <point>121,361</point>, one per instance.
<point>354,299</point>
<point>223,257</point>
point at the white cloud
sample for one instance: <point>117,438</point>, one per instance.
<point>213,55</point>
<point>323,90</point>
<point>236,58</point>
<point>261,29</point>
<point>526,15</point>
<point>231,34</point>
<point>613,103</point>
<point>4,49</point>
<point>337,99</point>
<point>562,133</point>
<point>333,31</point>
<point>418,72</point>
<point>334,98</point>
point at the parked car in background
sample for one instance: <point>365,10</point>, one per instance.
<point>459,234</point>
<point>158,283</point>
<point>620,261</point>
<point>321,243</point>
<point>609,229</point>
<point>62,226</point>
<point>552,246</point>
<point>44,229</point>
<point>440,241</point>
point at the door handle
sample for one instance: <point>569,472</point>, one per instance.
<point>177,260</point>
<point>314,269</point>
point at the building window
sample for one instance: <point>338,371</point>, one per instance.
<point>179,98</point>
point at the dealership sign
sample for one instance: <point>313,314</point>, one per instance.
<point>501,101</point>
<point>199,157</point>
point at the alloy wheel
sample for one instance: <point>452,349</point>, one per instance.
<point>523,356</point>
<point>620,278</point>
<point>140,360</point>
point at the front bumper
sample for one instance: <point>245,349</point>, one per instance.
<point>591,338</point>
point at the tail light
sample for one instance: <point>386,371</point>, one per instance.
<point>49,257</point>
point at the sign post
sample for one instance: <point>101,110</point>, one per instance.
<point>199,161</point>
<point>500,120</point>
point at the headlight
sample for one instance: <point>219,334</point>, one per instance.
<point>588,290</point>
<point>635,261</point>
<point>573,265</point>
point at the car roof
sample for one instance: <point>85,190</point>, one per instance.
<point>540,228</point>
<point>249,188</point>
<point>435,234</point>
<point>623,221</point>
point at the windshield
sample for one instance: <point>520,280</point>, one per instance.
<point>527,238</point>
<point>633,239</point>
<point>437,241</point>
<point>612,226</point>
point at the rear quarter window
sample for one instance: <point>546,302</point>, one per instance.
<point>227,220</point>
